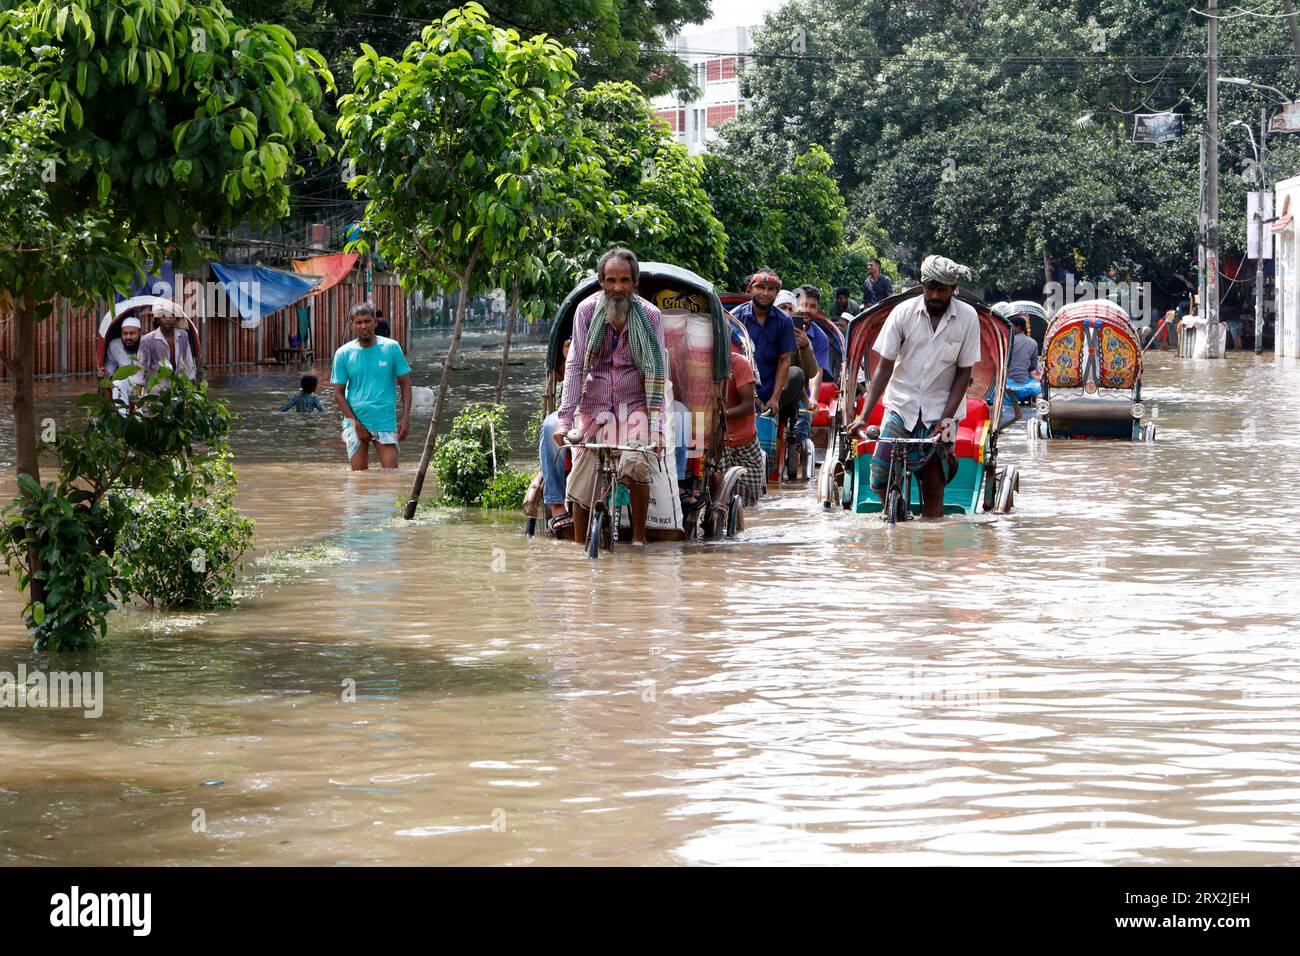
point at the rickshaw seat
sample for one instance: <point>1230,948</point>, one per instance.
<point>968,430</point>
<point>822,409</point>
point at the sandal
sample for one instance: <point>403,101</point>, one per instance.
<point>558,524</point>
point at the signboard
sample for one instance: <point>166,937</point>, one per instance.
<point>1287,119</point>
<point>1156,127</point>
<point>1253,215</point>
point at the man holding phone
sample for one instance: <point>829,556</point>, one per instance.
<point>780,382</point>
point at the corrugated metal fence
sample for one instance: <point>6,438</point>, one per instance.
<point>66,341</point>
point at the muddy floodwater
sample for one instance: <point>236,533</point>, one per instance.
<point>1106,675</point>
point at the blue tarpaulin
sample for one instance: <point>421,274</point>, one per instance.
<point>257,291</point>
<point>149,282</point>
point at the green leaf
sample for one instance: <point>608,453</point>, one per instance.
<point>38,612</point>
<point>237,138</point>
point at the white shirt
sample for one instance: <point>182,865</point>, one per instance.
<point>927,358</point>
<point>116,356</point>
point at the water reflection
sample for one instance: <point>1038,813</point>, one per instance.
<point>1107,675</point>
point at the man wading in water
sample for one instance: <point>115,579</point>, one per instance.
<point>614,380</point>
<point>365,372</point>
<point>927,347</point>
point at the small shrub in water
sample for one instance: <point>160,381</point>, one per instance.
<point>184,554</point>
<point>463,461</point>
<point>507,489</point>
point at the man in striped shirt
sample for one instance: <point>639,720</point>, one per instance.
<point>605,391</point>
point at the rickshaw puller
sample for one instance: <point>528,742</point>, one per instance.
<point>615,377</point>
<point>927,347</point>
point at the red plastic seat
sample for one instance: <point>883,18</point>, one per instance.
<point>822,410</point>
<point>968,431</point>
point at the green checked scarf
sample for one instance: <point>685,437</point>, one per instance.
<point>646,353</point>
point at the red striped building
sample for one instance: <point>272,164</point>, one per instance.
<point>67,342</point>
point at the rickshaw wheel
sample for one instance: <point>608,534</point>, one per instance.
<point>530,527</point>
<point>990,487</point>
<point>1007,488</point>
<point>594,533</point>
<point>893,506</point>
<point>733,516</point>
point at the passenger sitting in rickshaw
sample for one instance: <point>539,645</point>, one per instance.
<point>927,349</point>
<point>1022,368</point>
<point>553,462</point>
<point>615,386</point>
<point>740,446</point>
<point>814,354</point>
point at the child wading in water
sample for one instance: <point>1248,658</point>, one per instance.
<point>306,401</point>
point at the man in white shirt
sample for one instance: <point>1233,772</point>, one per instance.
<point>927,350</point>
<point>122,351</point>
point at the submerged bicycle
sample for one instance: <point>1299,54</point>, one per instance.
<point>897,496</point>
<point>608,497</point>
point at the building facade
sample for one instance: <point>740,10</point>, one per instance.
<point>716,59</point>
<point>1286,250</point>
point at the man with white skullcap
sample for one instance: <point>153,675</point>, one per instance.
<point>927,349</point>
<point>122,350</point>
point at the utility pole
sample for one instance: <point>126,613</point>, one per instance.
<point>1260,208</point>
<point>1212,186</point>
<point>1200,245</point>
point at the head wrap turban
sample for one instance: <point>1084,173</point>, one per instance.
<point>942,270</point>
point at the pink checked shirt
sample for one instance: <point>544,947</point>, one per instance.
<point>614,388</point>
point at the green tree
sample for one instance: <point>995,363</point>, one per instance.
<point>171,118</point>
<point>900,101</point>
<point>76,524</point>
<point>613,41</point>
<point>753,227</point>
<point>811,212</point>
<point>667,214</point>
<point>448,144</point>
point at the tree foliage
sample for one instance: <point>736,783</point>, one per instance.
<point>150,122</point>
<point>173,117</point>
<point>666,214</point>
<point>743,207</point>
<point>810,209</point>
<point>613,40</point>
<point>998,131</point>
<point>456,143</point>
<point>164,446</point>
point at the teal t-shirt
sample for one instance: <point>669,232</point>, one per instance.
<point>370,376</point>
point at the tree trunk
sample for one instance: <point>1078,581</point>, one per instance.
<point>505,349</point>
<point>432,438</point>
<point>1289,8</point>
<point>21,368</point>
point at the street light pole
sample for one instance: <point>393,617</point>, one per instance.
<point>1259,262</point>
<point>1211,302</point>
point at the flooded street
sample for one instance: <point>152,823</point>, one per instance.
<point>1106,675</point>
